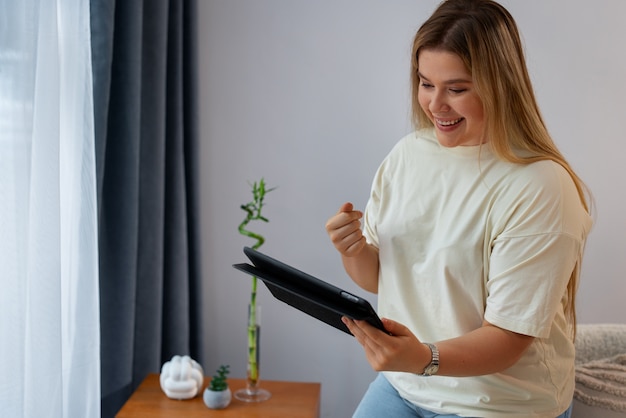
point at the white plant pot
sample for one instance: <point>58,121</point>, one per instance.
<point>217,400</point>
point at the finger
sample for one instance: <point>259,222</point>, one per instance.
<point>341,219</point>
<point>349,323</point>
<point>347,234</point>
<point>373,343</point>
<point>343,231</point>
<point>373,335</point>
<point>370,343</point>
<point>395,328</point>
<point>353,247</point>
<point>354,330</point>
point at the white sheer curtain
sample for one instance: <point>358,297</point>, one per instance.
<point>49,305</point>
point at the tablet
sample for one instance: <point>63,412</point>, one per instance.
<point>308,294</point>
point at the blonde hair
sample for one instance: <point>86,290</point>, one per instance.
<point>485,36</point>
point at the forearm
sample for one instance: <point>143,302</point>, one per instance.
<point>486,350</point>
<point>363,268</point>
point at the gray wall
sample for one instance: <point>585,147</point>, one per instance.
<point>311,95</point>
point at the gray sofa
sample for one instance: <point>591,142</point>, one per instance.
<point>600,371</point>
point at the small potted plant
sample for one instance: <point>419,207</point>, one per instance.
<point>218,395</point>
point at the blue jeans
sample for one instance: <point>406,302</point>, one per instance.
<point>383,400</point>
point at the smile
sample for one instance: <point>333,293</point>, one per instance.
<point>449,122</point>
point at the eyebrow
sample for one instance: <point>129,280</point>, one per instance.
<point>453,81</point>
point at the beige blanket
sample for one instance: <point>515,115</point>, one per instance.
<point>602,383</point>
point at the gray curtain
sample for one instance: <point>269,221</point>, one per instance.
<point>146,144</point>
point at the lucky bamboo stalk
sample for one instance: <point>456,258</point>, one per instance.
<point>253,211</point>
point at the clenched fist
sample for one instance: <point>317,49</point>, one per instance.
<point>344,230</point>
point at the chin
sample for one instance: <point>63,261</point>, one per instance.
<point>451,141</point>
<point>447,142</point>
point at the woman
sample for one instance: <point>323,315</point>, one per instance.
<point>472,237</point>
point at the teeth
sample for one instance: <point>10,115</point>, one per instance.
<point>449,122</point>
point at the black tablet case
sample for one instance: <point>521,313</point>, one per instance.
<point>308,294</point>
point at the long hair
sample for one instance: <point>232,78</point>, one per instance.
<point>485,36</point>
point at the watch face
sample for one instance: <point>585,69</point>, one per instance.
<point>431,369</point>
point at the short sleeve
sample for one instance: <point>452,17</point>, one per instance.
<point>370,216</point>
<point>540,239</point>
<point>528,278</point>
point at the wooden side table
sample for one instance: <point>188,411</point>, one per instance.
<point>289,400</point>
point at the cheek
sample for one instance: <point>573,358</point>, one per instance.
<point>423,101</point>
<point>474,110</point>
<point>479,116</point>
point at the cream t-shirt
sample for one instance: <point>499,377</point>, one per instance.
<point>464,236</point>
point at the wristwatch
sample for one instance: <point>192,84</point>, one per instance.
<point>433,367</point>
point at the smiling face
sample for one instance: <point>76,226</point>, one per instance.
<point>447,95</point>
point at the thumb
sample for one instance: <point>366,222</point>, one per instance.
<point>346,207</point>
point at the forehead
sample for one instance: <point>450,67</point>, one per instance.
<point>442,66</point>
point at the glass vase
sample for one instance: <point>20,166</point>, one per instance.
<point>253,392</point>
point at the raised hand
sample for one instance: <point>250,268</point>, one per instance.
<point>344,230</point>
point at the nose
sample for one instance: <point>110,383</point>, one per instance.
<point>438,103</point>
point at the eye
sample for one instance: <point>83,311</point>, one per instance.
<point>426,85</point>
<point>458,91</point>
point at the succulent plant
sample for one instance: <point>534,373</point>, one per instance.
<point>219,382</point>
